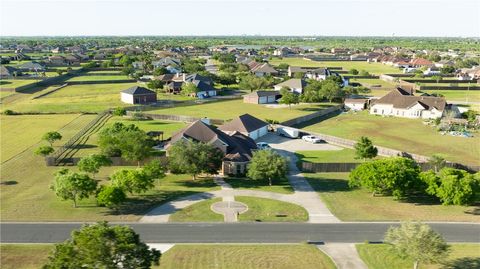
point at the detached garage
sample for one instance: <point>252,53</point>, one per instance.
<point>262,97</point>
<point>138,95</point>
<point>247,125</point>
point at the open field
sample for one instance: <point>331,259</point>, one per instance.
<point>372,68</point>
<point>208,256</point>
<point>233,108</point>
<point>458,95</point>
<point>98,78</point>
<point>104,72</point>
<point>22,132</point>
<point>279,185</point>
<point>5,94</point>
<point>15,83</point>
<point>409,135</point>
<point>326,156</point>
<point>269,210</point>
<point>380,256</point>
<point>359,205</point>
<point>368,82</point>
<point>75,98</point>
<point>200,212</point>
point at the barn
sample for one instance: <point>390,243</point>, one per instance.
<point>261,97</point>
<point>138,95</point>
<point>246,124</point>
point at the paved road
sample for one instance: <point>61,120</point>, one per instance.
<point>236,232</point>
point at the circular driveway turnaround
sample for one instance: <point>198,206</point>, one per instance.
<point>227,207</point>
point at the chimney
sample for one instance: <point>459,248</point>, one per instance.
<point>183,77</point>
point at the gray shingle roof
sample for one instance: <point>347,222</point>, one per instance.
<point>244,123</point>
<point>137,90</point>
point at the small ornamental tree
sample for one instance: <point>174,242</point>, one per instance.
<point>437,162</point>
<point>110,196</point>
<point>103,246</point>
<point>288,97</point>
<point>132,180</point>
<point>364,149</point>
<point>93,163</point>
<point>353,71</point>
<point>189,89</point>
<point>73,186</point>
<point>155,84</point>
<point>51,137</point>
<point>418,242</point>
<point>119,111</point>
<point>155,169</point>
<point>267,165</point>
<point>44,151</point>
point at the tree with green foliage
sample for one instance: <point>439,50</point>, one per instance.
<point>452,186</point>
<point>111,196</point>
<point>437,78</point>
<point>132,180</point>
<point>103,246</point>
<point>417,241</point>
<point>364,149</point>
<point>353,71</point>
<point>44,151</point>
<point>51,137</point>
<point>470,115</point>
<point>128,70</point>
<point>395,176</point>
<point>119,111</point>
<point>330,90</point>
<point>253,83</point>
<point>73,186</point>
<point>437,162</point>
<point>92,163</point>
<point>288,97</point>
<point>155,169</point>
<point>446,70</point>
<point>364,73</point>
<point>193,158</point>
<point>189,89</point>
<point>267,165</point>
<point>155,84</point>
<point>160,71</point>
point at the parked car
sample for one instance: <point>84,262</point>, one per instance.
<point>312,139</point>
<point>263,145</point>
<point>288,132</point>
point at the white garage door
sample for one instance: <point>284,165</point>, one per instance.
<point>271,99</point>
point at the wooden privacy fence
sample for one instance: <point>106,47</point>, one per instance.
<point>348,167</point>
<point>312,116</point>
<point>116,161</point>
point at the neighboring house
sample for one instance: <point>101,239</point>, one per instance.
<point>284,51</point>
<point>471,73</point>
<point>356,104</point>
<point>167,62</point>
<point>137,65</point>
<point>262,69</point>
<point>174,83</point>
<point>311,73</point>
<point>247,125</point>
<point>58,50</point>
<point>432,71</point>
<point>402,103</point>
<point>295,85</point>
<point>236,147</point>
<point>31,66</point>
<point>444,63</point>
<point>261,97</point>
<point>8,72</point>
<point>420,62</point>
<point>100,56</point>
<point>138,95</point>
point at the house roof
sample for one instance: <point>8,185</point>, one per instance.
<point>421,62</point>
<point>293,83</point>
<point>7,70</point>
<point>264,68</point>
<point>403,99</point>
<point>263,93</point>
<point>137,90</point>
<point>355,100</point>
<point>239,147</point>
<point>31,66</point>
<point>245,123</point>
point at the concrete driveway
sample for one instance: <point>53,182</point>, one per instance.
<point>282,143</point>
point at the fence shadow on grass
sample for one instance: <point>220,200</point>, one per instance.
<point>247,183</point>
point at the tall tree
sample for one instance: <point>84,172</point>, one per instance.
<point>103,246</point>
<point>418,242</point>
<point>51,137</point>
<point>73,186</point>
<point>267,165</point>
<point>110,196</point>
<point>189,89</point>
<point>93,163</point>
<point>364,149</point>
<point>132,180</point>
<point>288,97</point>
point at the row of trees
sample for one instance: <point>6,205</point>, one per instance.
<point>49,137</point>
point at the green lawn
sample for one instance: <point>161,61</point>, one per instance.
<point>198,212</point>
<point>328,156</point>
<point>359,205</point>
<point>279,185</point>
<point>98,78</point>
<point>5,94</point>
<point>195,256</point>
<point>104,72</point>
<point>75,98</point>
<point>233,108</point>
<point>458,95</point>
<point>367,82</point>
<point>380,256</point>
<point>409,135</point>
<point>269,210</point>
<point>372,68</point>
<point>15,83</point>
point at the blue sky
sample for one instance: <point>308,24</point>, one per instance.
<point>232,17</point>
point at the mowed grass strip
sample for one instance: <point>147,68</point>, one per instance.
<point>279,185</point>
<point>372,68</point>
<point>233,108</point>
<point>270,210</point>
<point>328,156</point>
<point>30,256</point>
<point>198,212</point>
<point>380,256</point>
<point>457,95</point>
<point>98,78</point>
<point>409,135</point>
<point>358,204</point>
<point>15,83</point>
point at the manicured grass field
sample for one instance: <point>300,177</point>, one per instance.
<point>372,68</point>
<point>5,94</point>
<point>456,95</point>
<point>359,205</point>
<point>75,98</point>
<point>15,83</point>
<point>195,257</point>
<point>199,212</point>
<point>409,135</point>
<point>279,185</point>
<point>269,210</point>
<point>328,156</point>
<point>370,82</point>
<point>380,256</point>
<point>104,72</point>
<point>98,78</point>
<point>233,108</point>
<point>22,132</point>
